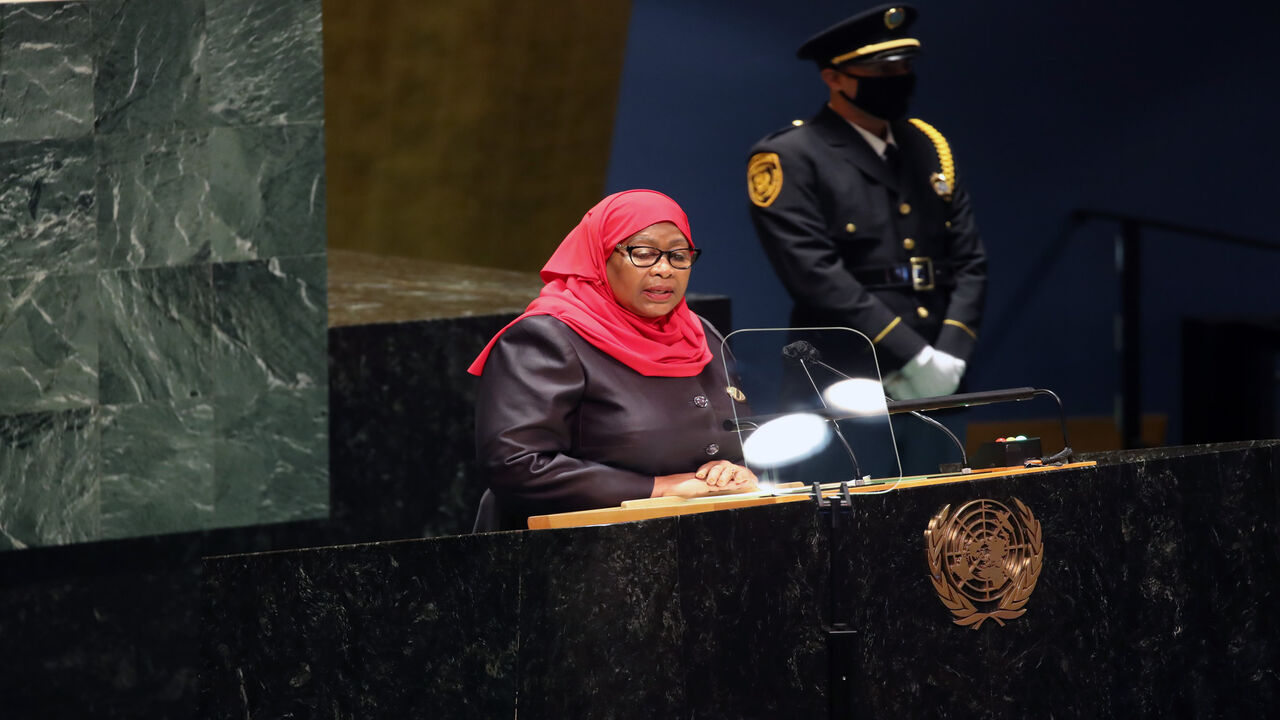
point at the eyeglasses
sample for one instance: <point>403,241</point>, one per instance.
<point>643,256</point>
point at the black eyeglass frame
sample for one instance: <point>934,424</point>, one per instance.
<point>694,253</point>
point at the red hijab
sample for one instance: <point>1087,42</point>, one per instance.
<point>577,292</point>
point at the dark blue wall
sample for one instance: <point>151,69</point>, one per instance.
<point>1161,109</point>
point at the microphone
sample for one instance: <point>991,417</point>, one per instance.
<point>984,397</point>
<point>803,351</point>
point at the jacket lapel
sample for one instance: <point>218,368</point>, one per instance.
<point>847,143</point>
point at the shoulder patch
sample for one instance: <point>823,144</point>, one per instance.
<point>764,178</point>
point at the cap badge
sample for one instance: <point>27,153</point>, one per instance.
<point>764,178</point>
<point>893,17</point>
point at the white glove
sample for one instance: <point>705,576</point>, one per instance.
<point>931,373</point>
<point>897,387</point>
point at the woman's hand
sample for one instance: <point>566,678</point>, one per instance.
<point>724,475</point>
<point>713,477</point>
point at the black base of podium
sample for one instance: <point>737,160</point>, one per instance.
<point>1156,598</point>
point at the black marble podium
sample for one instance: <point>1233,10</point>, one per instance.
<point>1158,596</point>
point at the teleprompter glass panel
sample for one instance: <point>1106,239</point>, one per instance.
<point>809,406</point>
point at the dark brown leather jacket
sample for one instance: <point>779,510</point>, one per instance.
<point>562,426</point>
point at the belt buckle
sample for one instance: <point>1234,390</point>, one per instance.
<point>921,273</point>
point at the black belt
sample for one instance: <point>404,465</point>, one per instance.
<point>920,274</point>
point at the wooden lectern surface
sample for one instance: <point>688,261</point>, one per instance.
<point>650,508</point>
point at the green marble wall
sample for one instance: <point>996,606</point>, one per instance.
<point>162,268</point>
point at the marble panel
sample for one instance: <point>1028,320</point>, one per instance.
<point>423,631</point>
<point>157,467</point>
<point>753,591</point>
<point>46,70</point>
<point>48,343</point>
<point>1064,644</point>
<point>909,656</point>
<point>403,409</point>
<point>601,631</point>
<point>267,191</point>
<point>156,334</point>
<point>611,626</point>
<point>261,63</point>
<point>148,57</point>
<point>1234,578</point>
<point>46,207</point>
<point>153,199</point>
<point>49,487</point>
<point>112,630</point>
<point>106,630</point>
<point>366,289</point>
<point>269,325</point>
<point>271,456</point>
<point>1158,619</point>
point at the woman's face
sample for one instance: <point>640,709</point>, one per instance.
<point>652,291</point>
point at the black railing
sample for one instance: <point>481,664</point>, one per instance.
<point>1128,245</point>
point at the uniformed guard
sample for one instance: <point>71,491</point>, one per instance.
<point>862,215</point>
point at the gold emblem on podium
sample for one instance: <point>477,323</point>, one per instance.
<point>984,560</point>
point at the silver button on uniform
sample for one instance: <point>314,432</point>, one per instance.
<point>701,401</point>
<point>712,449</point>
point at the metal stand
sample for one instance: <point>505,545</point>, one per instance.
<point>836,505</point>
<point>841,653</point>
<point>841,639</point>
<point>1128,336</point>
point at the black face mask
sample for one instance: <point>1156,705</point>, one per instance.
<point>886,96</point>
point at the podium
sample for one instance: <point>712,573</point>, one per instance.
<point>1156,596</point>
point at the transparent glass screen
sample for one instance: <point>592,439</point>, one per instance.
<point>809,406</point>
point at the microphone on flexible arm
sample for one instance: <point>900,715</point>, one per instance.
<point>804,352</point>
<point>987,397</point>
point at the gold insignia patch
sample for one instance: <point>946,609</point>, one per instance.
<point>984,560</point>
<point>735,393</point>
<point>764,178</point>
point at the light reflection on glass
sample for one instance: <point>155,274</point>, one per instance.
<point>857,396</point>
<point>786,440</point>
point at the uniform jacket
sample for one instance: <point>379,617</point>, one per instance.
<point>840,209</point>
<point>562,426</point>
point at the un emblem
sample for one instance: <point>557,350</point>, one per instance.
<point>984,560</point>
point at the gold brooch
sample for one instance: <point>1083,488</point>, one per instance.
<point>984,560</point>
